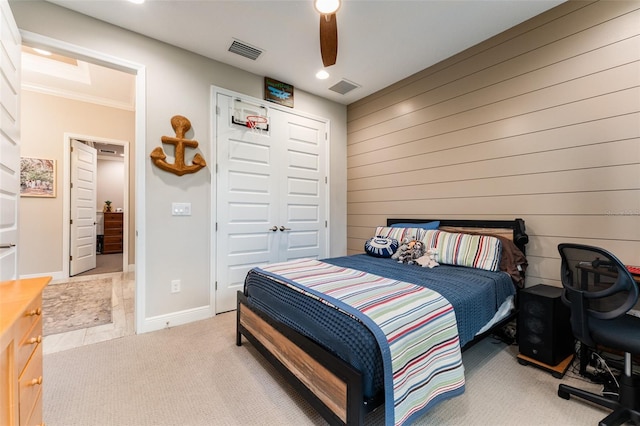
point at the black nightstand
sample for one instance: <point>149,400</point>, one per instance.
<point>544,329</point>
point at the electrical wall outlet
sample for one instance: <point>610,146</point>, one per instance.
<point>175,286</point>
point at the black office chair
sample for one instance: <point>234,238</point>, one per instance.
<point>600,291</point>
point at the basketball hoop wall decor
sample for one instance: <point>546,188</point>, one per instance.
<point>251,116</point>
<point>181,125</point>
<point>278,92</point>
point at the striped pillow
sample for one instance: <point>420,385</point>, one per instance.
<point>474,251</point>
<point>400,233</point>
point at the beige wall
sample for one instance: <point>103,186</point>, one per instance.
<point>44,121</point>
<point>111,176</point>
<point>179,82</point>
<point>540,122</point>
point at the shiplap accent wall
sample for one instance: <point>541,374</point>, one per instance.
<point>540,122</point>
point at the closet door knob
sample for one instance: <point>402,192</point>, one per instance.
<point>274,228</point>
<point>282,228</point>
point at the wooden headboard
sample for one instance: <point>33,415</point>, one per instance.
<point>512,229</point>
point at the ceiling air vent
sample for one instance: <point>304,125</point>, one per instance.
<point>245,50</point>
<point>344,86</point>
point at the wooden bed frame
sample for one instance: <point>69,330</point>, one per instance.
<point>329,384</point>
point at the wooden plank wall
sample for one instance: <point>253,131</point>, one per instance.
<point>540,122</point>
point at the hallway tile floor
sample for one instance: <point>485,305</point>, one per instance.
<point>122,314</point>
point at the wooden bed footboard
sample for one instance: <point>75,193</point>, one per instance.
<point>330,385</point>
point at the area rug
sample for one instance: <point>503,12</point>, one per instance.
<point>75,305</point>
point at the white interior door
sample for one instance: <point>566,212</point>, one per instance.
<point>9,143</point>
<point>302,195</point>
<point>82,244</point>
<point>247,192</point>
<point>270,193</point>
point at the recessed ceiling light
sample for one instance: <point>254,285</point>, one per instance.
<point>137,1</point>
<point>322,75</point>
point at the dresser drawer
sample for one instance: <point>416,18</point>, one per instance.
<point>113,217</point>
<point>112,231</point>
<point>29,343</point>
<point>112,239</point>
<point>21,360</point>
<point>30,383</point>
<point>31,315</point>
<point>35,418</point>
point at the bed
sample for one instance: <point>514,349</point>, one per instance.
<point>334,359</point>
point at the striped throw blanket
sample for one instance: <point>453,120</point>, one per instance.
<point>415,328</point>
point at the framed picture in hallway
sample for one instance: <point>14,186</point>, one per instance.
<point>37,177</point>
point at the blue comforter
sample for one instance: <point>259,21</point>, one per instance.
<point>475,295</point>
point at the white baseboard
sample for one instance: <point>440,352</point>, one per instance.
<point>173,319</point>
<point>59,275</point>
<point>54,275</point>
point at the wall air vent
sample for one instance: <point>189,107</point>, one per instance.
<point>107,151</point>
<point>245,50</point>
<point>344,86</point>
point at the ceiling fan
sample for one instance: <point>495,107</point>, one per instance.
<point>328,30</point>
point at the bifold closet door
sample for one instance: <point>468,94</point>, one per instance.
<point>271,195</point>
<point>302,193</point>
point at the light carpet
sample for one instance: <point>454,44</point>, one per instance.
<point>196,375</point>
<point>105,264</point>
<point>76,304</point>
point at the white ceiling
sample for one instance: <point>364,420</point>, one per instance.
<point>380,41</point>
<point>74,79</point>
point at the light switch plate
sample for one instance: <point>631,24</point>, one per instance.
<point>181,209</point>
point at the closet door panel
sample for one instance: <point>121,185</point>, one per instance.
<point>270,192</point>
<point>302,185</point>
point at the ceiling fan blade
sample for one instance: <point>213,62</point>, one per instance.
<point>328,39</point>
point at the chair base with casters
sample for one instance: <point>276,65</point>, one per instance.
<point>625,408</point>
<point>600,291</point>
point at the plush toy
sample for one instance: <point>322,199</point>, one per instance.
<point>417,251</point>
<point>429,259</point>
<point>409,251</point>
<point>400,254</point>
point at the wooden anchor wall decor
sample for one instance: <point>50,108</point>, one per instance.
<point>181,125</point>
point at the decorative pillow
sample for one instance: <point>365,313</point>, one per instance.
<point>400,233</point>
<point>381,246</point>
<point>513,261</point>
<point>474,251</point>
<point>428,225</point>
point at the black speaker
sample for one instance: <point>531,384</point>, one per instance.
<point>544,328</point>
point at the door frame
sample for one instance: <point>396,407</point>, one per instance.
<point>139,71</point>
<point>66,199</point>
<point>215,90</point>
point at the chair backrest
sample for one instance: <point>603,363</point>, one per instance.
<point>596,285</point>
